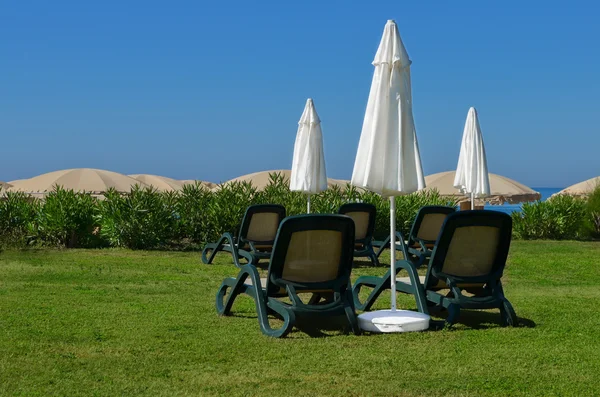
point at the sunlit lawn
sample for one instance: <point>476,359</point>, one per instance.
<point>115,322</point>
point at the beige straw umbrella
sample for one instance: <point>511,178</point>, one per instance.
<point>582,188</point>
<point>161,183</point>
<point>502,189</point>
<point>79,179</point>
<point>208,185</point>
<point>260,180</point>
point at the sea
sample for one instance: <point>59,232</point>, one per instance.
<point>546,192</point>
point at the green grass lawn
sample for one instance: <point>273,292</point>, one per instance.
<point>114,322</point>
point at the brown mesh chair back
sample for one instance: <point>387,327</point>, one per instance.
<point>312,252</point>
<point>260,224</point>
<point>472,248</point>
<point>363,215</point>
<point>428,224</point>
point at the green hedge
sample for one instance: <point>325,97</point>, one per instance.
<point>147,219</point>
<point>561,217</point>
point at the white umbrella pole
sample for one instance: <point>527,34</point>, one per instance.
<point>393,250</point>
<point>308,205</point>
<point>472,201</point>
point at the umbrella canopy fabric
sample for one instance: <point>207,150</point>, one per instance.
<point>388,160</point>
<point>209,185</point>
<point>308,164</point>
<point>582,188</point>
<point>472,171</point>
<point>161,183</point>
<point>78,179</point>
<point>260,180</point>
<point>502,189</point>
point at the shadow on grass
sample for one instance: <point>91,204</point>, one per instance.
<point>478,319</point>
<point>321,328</point>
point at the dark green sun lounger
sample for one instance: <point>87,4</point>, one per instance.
<point>363,215</point>
<point>422,237</point>
<point>255,239</point>
<point>312,255</point>
<point>468,260</point>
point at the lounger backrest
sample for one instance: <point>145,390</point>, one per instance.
<point>261,222</point>
<point>428,223</point>
<point>363,215</point>
<point>313,252</point>
<point>472,247</point>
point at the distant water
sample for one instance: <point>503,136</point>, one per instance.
<point>546,192</point>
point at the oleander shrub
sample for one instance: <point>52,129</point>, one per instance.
<point>593,213</point>
<point>226,208</point>
<point>18,212</point>
<point>148,219</point>
<point>193,227</point>
<point>561,217</point>
<point>68,219</point>
<point>142,219</point>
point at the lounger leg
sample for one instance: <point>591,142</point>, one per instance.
<point>378,284</point>
<point>509,317</point>
<point>351,315</point>
<point>287,316</point>
<point>453,313</point>
<point>209,248</point>
<point>374,258</point>
<point>225,243</point>
<point>238,286</point>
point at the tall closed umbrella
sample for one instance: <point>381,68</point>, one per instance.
<point>308,165</point>
<point>388,160</point>
<point>471,172</point>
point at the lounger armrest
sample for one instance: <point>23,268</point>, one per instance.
<point>410,268</point>
<point>422,244</point>
<point>418,288</point>
<point>403,246</point>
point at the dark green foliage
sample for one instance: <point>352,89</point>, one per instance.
<point>593,213</point>
<point>226,208</point>
<point>147,219</point>
<point>142,219</point>
<point>559,218</point>
<point>68,219</point>
<point>17,215</point>
<point>192,215</point>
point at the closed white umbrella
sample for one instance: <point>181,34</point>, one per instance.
<point>472,172</point>
<point>388,160</point>
<point>308,165</point>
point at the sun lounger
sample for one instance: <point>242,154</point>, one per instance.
<point>312,255</point>
<point>468,260</point>
<point>255,239</point>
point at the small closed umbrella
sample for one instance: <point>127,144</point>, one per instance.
<point>308,165</point>
<point>388,160</point>
<point>472,176</point>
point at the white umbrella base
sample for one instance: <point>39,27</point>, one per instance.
<point>387,321</point>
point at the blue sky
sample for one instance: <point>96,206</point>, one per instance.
<point>214,90</point>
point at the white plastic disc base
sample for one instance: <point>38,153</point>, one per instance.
<point>385,321</point>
